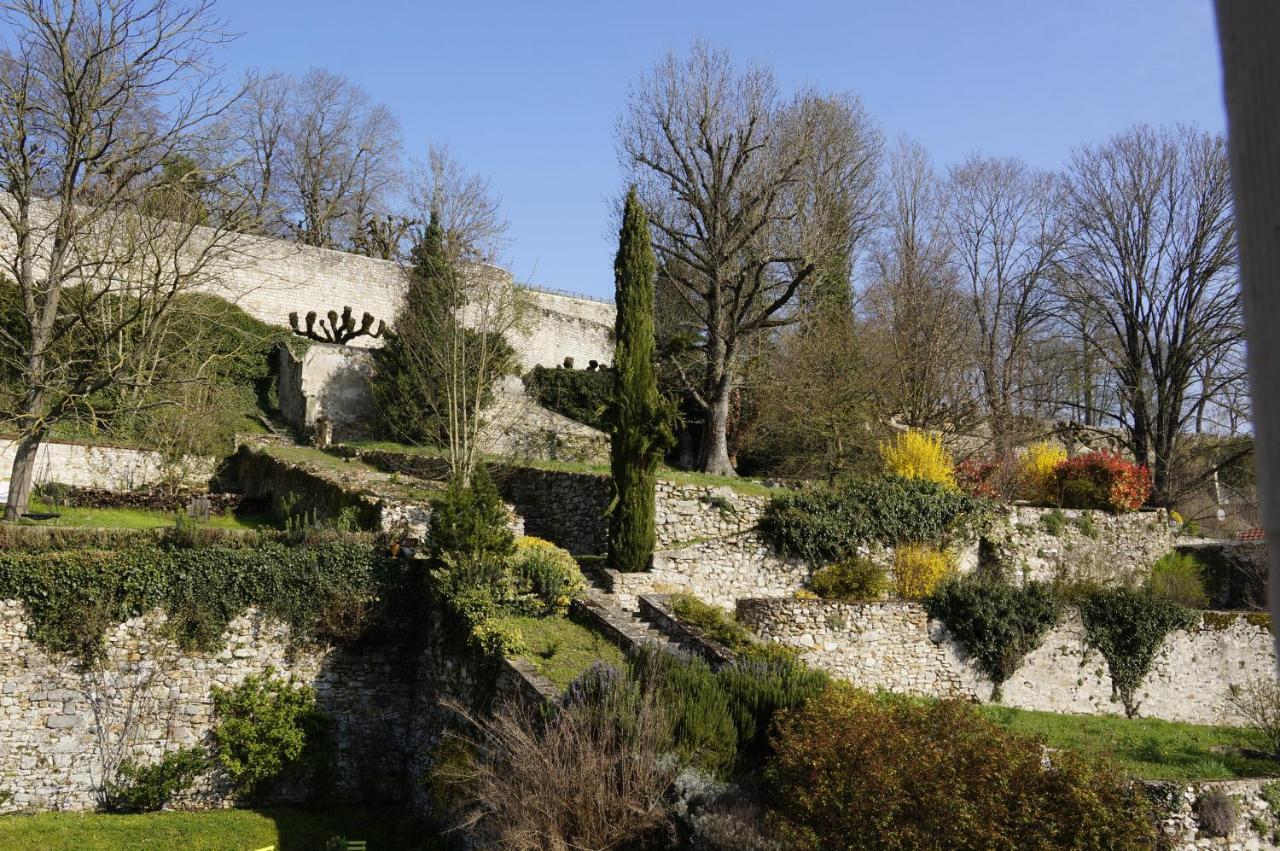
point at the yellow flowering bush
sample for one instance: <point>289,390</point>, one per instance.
<point>1035,470</point>
<point>919,455</point>
<point>918,569</point>
<point>549,573</point>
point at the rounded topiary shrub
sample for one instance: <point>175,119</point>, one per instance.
<point>851,770</point>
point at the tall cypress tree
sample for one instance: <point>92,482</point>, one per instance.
<point>638,416</point>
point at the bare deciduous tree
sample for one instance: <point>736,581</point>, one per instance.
<point>1153,258</point>
<point>1002,224</point>
<point>95,97</point>
<point>342,155</point>
<point>717,159</point>
<point>913,316</point>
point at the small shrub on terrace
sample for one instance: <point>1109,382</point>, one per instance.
<point>265,726</point>
<point>1257,702</point>
<point>550,573</point>
<point>1102,480</point>
<point>1054,522</point>
<point>1179,577</point>
<point>1036,470</point>
<point>919,455</point>
<point>146,788</point>
<point>703,731</point>
<point>715,622</point>
<point>1217,812</point>
<point>994,479</point>
<point>853,578</point>
<point>470,521</point>
<point>1127,627</point>
<point>917,570</point>
<point>760,685</point>
<point>997,623</point>
<point>854,771</point>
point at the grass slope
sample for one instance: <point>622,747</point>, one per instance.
<point>220,830</point>
<point>1148,748</point>
<point>561,649</point>
<point>134,518</point>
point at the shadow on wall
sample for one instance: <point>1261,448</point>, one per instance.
<point>345,399</point>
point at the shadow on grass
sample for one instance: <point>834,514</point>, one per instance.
<point>383,830</point>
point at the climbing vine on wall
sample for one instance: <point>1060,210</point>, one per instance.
<point>333,591</point>
<point>1127,627</point>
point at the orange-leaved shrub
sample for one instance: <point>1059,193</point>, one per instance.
<point>1102,480</point>
<point>852,770</point>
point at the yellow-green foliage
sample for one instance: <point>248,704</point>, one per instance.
<point>1035,469</point>
<point>919,455</point>
<point>919,569</point>
<point>548,572</point>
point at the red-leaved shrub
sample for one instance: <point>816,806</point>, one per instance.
<point>989,478</point>
<point>1102,480</point>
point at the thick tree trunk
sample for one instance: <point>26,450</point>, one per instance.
<point>22,477</point>
<point>714,454</point>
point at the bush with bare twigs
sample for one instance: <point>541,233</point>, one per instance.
<point>592,777</point>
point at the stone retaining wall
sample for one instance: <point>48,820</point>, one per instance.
<point>1043,543</point>
<point>62,726</point>
<point>897,647</point>
<point>113,468</point>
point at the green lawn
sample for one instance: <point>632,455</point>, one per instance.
<point>561,649</point>
<point>219,830</point>
<point>134,518</point>
<point>747,487</point>
<point>1149,748</point>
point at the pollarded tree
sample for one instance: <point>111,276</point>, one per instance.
<point>639,418</point>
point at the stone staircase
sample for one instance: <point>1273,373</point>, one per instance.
<point>626,629</point>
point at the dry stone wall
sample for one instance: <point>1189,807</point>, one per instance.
<point>111,468</point>
<point>1042,543</point>
<point>61,725</point>
<point>897,647</point>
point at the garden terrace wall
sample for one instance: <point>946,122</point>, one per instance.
<point>896,646</point>
<point>113,468</point>
<point>57,719</point>
<point>1097,544</point>
<point>1257,823</point>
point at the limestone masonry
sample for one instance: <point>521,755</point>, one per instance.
<point>896,646</point>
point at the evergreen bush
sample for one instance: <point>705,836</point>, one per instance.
<point>579,394</point>
<point>854,771</point>
<point>829,524</point>
<point>712,621</point>
<point>703,732</point>
<point>998,624</point>
<point>146,788</point>
<point>1179,578</point>
<point>1127,627</point>
<point>265,726</point>
<point>851,579</point>
<point>549,573</point>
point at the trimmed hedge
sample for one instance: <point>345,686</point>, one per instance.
<point>829,524</point>
<point>578,394</point>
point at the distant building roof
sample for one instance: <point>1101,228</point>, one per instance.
<point>1255,534</point>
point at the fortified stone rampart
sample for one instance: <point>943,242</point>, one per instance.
<point>896,646</point>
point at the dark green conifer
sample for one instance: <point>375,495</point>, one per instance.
<point>638,416</point>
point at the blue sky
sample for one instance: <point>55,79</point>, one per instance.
<point>527,93</point>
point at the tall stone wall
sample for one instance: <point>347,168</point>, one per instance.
<point>897,647</point>
<point>105,467</point>
<point>61,725</point>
